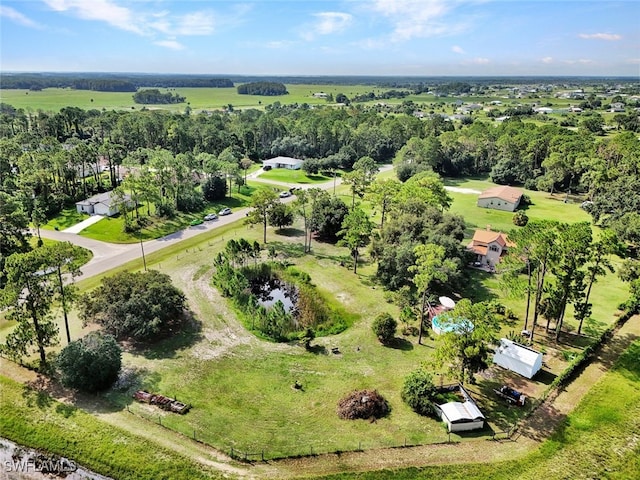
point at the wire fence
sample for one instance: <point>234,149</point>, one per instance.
<point>171,422</point>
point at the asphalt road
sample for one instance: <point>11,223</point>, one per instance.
<point>110,255</point>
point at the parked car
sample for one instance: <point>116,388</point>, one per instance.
<point>225,211</point>
<point>211,216</point>
<point>285,194</point>
<point>195,222</point>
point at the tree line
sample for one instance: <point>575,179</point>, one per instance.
<point>108,82</point>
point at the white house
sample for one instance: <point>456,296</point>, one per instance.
<point>284,162</point>
<point>500,198</point>
<point>488,246</point>
<point>462,416</point>
<point>543,110</point>
<point>518,358</point>
<point>101,204</point>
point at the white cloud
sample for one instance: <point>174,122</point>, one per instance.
<point>170,44</point>
<point>601,36</point>
<point>634,61</point>
<point>139,21</point>
<point>481,61</point>
<point>547,60</point>
<point>580,61</point>
<point>419,18</point>
<point>99,10</point>
<point>332,22</point>
<point>196,23</point>
<point>457,49</point>
<point>17,17</point>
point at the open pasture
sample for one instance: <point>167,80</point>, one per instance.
<point>53,99</point>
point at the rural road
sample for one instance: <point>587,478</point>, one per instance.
<point>110,255</point>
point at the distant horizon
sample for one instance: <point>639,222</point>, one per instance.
<point>293,75</point>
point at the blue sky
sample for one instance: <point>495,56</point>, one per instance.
<point>299,37</point>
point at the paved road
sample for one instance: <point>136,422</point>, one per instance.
<point>110,255</point>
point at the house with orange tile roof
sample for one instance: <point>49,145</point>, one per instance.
<point>500,198</point>
<point>489,247</point>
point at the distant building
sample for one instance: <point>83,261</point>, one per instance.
<point>500,198</point>
<point>283,162</point>
<point>101,204</point>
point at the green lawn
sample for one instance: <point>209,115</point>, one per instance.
<point>285,175</point>
<point>82,437</point>
<point>597,440</point>
<point>65,219</point>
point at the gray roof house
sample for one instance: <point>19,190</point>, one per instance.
<point>101,204</point>
<point>284,162</point>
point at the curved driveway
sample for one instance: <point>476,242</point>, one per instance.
<point>110,255</point>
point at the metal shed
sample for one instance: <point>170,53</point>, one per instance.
<point>518,358</point>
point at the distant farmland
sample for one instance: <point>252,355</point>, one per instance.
<point>53,99</point>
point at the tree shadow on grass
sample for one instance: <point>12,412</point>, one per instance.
<point>318,350</point>
<point>290,232</point>
<point>289,250</point>
<point>186,335</point>
<point>398,343</point>
<point>474,287</point>
<point>36,393</point>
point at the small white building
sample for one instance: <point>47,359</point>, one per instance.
<point>462,416</point>
<point>284,162</point>
<point>518,358</point>
<point>500,198</point>
<point>101,204</point>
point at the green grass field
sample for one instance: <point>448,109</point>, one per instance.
<point>53,99</point>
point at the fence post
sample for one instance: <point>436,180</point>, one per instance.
<point>263,455</point>
<point>194,434</point>
<point>159,419</point>
<point>405,441</point>
<point>232,452</point>
<point>312,450</point>
<point>360,445</point>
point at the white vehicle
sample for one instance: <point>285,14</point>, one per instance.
<point>225,211</point>
<point>285,194</point>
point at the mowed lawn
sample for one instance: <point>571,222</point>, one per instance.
<point>285,175</point>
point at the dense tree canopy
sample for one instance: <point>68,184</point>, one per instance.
<point>141,306</point>
<point>91,363</point>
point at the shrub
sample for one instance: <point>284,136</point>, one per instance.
<point>384,326</point>
<point>520,219</point>
<point>91,363</point>
<point>363,404</point>
<point>419,392</point>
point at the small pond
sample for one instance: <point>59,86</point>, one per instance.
<point>269,290</point>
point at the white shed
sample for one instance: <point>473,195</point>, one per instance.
<point>461,416</point>
<point>518,358</point>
